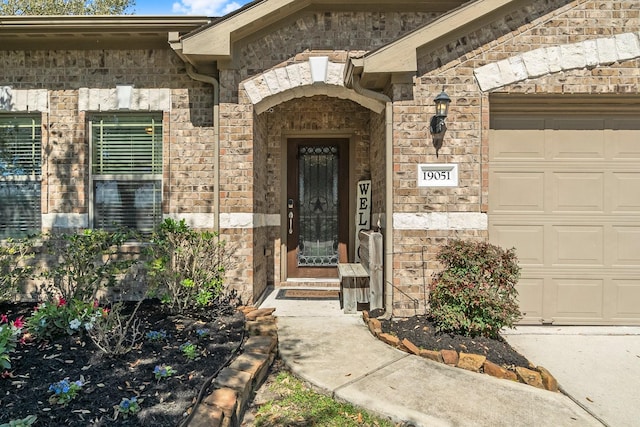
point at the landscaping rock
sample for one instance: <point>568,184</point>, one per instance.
<point>389,339</point>
<point>411,347</point>
<point>494,370</point>
<point>450,357</point>
<point>431,355</point>
<point>548,380</point>
<point>470,362</point>
<point>529,377</point>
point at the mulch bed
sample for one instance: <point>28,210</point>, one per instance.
<point>421,331</point>
<point>36,365</point>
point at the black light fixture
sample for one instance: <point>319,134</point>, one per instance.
<point>437,127</point>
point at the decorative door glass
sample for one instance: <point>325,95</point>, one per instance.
<point>318,204</point>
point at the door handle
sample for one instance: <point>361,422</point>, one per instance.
<point>290,222</point>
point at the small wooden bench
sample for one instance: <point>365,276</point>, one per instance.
<point>365,275</point>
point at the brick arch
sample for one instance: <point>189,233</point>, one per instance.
<point>552,59</point>
<point>282,84</point>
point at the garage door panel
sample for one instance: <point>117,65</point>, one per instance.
<point>626,191</point>
<point>530,298</point>
<point>623,144</point>
<point>626,294</point>
<point>578,192</point>
<point>626,246</point>
<point>578,298</point>
<point>528,239</point>
<point>578,245</point>
<point>518,144</point>
<point>517,192</point>
<point>583,144</point>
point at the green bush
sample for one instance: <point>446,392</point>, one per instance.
<point>186,268</point>
<point>14,266</point>
<point>475,293</point>
<point>82,264</point>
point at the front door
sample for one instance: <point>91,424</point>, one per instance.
<point>317,208</point>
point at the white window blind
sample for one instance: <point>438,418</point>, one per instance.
<point>126,171</point>
<point>20,174</point>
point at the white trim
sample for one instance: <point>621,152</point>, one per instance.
<point>249,220</point>
<point>546,60</point>
<point>139,99</point>
<point>23,100</point>
<point>65,220</point>
<point>441,221</point>
<point>194,220</point>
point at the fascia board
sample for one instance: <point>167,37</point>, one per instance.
<point>216,41</point>
<point>401,55</point>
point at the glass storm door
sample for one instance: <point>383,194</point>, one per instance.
<point>317,210</point>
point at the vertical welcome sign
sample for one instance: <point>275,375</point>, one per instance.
<point>363,212</point>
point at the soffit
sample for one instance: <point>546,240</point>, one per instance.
<point>92,32</point>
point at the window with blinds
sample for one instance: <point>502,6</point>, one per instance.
<point>126,171</point>
<point>20,174</point>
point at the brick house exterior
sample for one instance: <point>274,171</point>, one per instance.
<point>530,82</point>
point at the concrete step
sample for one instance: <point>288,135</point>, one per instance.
<point>311,283</point>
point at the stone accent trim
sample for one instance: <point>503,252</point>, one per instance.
<point>249,220</point>
<point>441,221</point>
<point>65,220</point>
<point>547,60</point>
<point>282,84</point>
<point>21,100</point>
<point>195,220</point>
<point>91,99</point>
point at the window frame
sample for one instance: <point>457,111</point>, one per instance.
<point>35,173</point>
<point>155,175</point>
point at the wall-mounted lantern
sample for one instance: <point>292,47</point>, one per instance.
<point>437,126</point>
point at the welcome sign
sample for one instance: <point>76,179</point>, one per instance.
<point>363,212</point>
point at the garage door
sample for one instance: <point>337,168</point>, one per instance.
<point>564,190</point>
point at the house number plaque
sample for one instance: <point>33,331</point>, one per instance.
<point>438,175</point>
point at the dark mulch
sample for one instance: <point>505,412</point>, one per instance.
<point>108,380</point>
<point>421,331</point>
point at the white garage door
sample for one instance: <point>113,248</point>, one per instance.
<point>564,190</point>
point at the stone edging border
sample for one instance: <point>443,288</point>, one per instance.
<point>537,376</point>
<point>235,385</point>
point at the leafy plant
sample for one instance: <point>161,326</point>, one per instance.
<point>160,335</point>
<point>9,338</point>
<point>475,293</point>
<point>53,319</point>
<point>163,371</point>
<point>186,268</point>
<point>189,350</point>
<point>24,422</point>
<point>65,391</point>
<point>127,407</point>
<point>82,264</point>
<point>114,333</point>
<point>14,268</point>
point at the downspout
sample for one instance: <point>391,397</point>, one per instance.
<point>216,137</point>
<point>388,218</point>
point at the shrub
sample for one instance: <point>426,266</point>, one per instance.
<point>115,333</point>
<point>13,266</point>
<point>82,264</point>
<point>186,268</point>
<point>475,293</point>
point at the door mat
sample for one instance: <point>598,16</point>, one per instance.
<point>308,294</point>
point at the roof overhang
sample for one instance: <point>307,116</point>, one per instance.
<point>214,43</point>
<point>93,32</point>
<point>398,61</point>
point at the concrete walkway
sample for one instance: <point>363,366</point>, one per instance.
<point>597,366</point>
<point>337,354</point>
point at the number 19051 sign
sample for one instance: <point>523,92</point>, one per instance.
<point>438,175</point>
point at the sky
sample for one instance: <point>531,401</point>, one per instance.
<point>187,7</point>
